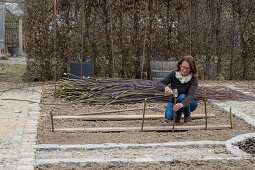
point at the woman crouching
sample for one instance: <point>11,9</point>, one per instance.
<point>185,80</point>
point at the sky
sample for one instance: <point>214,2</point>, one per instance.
<point>14,8</point>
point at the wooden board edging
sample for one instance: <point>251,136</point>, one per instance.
<point>147,129</point>
<point>123,117</point>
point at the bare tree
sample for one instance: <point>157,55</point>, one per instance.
<point>116,35</point>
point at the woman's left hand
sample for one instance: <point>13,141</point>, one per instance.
<point>177,106</point>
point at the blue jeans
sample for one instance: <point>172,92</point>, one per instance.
<point>169,113</point>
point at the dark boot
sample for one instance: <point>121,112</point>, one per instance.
<point>178,119</point>
<point>187,119</point>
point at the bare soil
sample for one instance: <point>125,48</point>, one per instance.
<point>45,136</point>
<point>190,165</point>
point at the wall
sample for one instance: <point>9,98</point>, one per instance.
<point>2,25</point>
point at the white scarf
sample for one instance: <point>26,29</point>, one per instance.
<point>183,79</point>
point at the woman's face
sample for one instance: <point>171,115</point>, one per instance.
<point>185,68</point>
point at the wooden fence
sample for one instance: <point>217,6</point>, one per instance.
<point>160,69</point>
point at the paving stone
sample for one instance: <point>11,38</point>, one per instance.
<point>27,154</point>
<point>25,167</point>
<point>26,161</point>
<point>10,167</point>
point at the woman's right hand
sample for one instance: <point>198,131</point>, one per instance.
<point>168,91</point>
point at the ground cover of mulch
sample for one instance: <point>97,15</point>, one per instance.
<point>45,136</point>
<point>247,145</point>
<point>247,87</point>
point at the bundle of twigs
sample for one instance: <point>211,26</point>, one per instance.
<point>108,90</point>
<point>117,90</point>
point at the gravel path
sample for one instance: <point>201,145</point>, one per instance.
<point>19,113</point>
<point>14,60</point>
<point>18,130</point>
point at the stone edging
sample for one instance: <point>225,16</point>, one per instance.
<point>234,150</point>
<point>235,112</point>
<point>108,146</point>
<point>229,144</point>
<point>95,162</point>
<point>28,141</point>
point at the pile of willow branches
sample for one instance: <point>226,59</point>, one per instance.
<point>116,90</point>
<point>108,90</point>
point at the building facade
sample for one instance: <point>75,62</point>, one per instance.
<point>2,25</point>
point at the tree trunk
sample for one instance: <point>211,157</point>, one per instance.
<point>94,42</point>
<point>122,52</point>
<point>144,39</point>
<point>149,55</point>
<point>108,38</point>
<point>111,56</point>
<point>232,50</point>
<point>87,28</point>
<point>136,39</point>
<point>169,28</point>
<point>208,40</point>
<point>219,37</point>
<point>195,37</point>
<point>243,45</point>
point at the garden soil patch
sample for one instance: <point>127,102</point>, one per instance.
<point>58,107</point>
<point>245,164</point>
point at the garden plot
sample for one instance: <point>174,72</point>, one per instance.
<point>59,107</point>
<point>67,147</point>
<point>134,149</point>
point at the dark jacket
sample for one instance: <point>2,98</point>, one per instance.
<point>189,88</point>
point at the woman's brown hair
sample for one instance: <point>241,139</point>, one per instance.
<point>192,63</point>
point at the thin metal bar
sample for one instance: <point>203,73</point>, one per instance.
<point>175,95</point>
<point>144,107</point>
<point>174,116</point>
<point>230,118</point>
<point>52,123</point>
<point>206,121</point>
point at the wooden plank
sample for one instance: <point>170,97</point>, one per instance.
<point>122,117</point>
<point>148,128</point>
